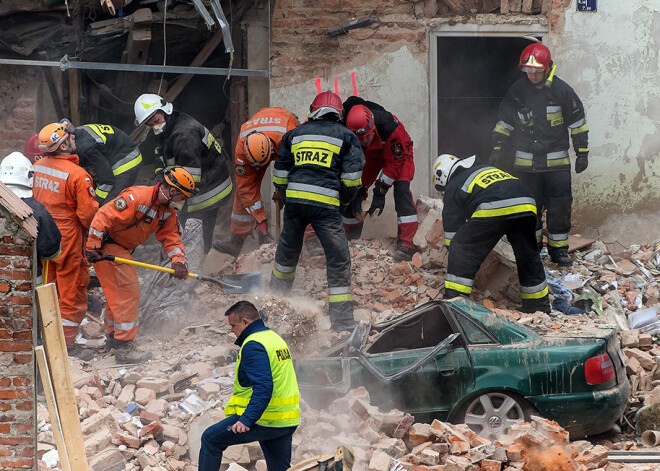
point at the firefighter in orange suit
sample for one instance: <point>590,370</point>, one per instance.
<point>119,227</point>
<point>67,192</point>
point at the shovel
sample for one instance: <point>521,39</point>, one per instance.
<point>112,258</point>
<point>246,282</point>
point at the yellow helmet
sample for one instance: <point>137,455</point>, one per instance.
<point>181,179</point>
<point>52,136</point>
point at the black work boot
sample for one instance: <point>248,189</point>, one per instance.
<point>232,246</point>
<point>404,254</point>
<point>81,353</point>
<point>109,343</point>
<point>561,257</point>
<point>533,305</point>
<point>452,293</point>
<point>127,352</point>
<point>314,247</point>
<point>342,325</point>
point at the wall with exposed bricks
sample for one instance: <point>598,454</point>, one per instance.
<point>17,380</point>
<point>19,87</point>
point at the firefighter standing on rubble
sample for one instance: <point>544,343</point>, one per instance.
<point>319,169</point>
<point>535,117</point>
<point>17,173</point>
<point>185,142</point>
<point>119,227</point>
<point>482,204</point>
<point>264,406</point>
<point>110,156</point>
<point>258,143</point>
<point>66,190</point>
<point>388,152</point>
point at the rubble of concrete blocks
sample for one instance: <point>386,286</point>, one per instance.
<point>382,441</point>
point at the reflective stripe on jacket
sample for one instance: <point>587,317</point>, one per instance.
<point>483,192</point>
<point>283,409</point>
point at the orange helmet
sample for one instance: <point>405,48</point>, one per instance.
<point>181,179</point>
<point>32,151</point>
<point>326,103</point>
<point>258,149</point>
<point>535,57</point>
<point>52,136</point>
<point>360,120</point>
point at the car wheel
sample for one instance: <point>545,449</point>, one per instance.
<point>492,414</point>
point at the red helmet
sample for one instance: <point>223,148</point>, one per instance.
<point>360,120</point>
<point>535,57</point>
<point>326,103</point>
<point>32,151</point>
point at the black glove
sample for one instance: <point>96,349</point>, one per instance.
<point>93,255</point>
<point>496,158</point>
<point>378,201</point>
<point>582,162</point>
<point>180,271</point>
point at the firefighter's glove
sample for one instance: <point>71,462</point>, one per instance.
<point>279,196</point>
<point>180,271</point>
<point>378,201</point>
<point>93,254</point>
<point>582,162</point>
<point>356,204</point>
<point>496,158</point>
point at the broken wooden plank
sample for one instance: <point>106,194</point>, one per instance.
<point>456,6</point>
<point>136,52</point>
<point>504,7</point>
<point>74,96</point>
<point>577,242</point>
<point>54,91</point>
<point>527,6</point>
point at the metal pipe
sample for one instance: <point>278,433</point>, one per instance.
<point>65,64</point>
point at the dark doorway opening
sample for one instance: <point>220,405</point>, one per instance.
<point>474,74</point>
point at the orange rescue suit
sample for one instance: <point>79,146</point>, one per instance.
<point>66,190</point>
<point>119,227</point>
<point>248,206</point>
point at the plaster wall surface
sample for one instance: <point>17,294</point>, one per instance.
<point>611,58</point>
<point>398,80</point>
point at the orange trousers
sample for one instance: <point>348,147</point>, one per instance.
<point>122,293</point>
<point>242,223</point>
<point>70,273</point>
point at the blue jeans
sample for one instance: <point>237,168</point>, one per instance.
<point>275,443</point>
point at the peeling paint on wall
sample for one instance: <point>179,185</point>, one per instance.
<point>611,58</point>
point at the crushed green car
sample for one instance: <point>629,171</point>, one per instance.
<point>459,362</point>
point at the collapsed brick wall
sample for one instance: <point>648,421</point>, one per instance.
<point>18,98</point>
<point>17,404</point>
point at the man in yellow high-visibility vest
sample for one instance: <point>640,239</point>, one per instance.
<point>265,404</point>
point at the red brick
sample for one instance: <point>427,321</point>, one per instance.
<point>7,418</point>
<point>20,300</point>
<point>16,274</point>
<point>4,287</point>
<point>5,382</point>
<point>13,250</point>
<point>8,394</point>
<point>21,381</point>
<point>23,393</point>
<point>23,263</point>
<point>5,428</point>
<point>25,405</point>
<point>5,334</point>
<point>23,335</point>
<point>23,287</point>
<point>28,451</point>
<point>17,463</point>
<point>25,428</point>
<point>4,406</point>
<point>16,440</point>
<point>5,452</point>
<point>15,346</point>
<point>23,358</point>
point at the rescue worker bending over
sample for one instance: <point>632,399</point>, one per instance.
<point>265,405</point>
<point>535,118</point>
<point>116,230</point>
<point>320,167</point>
<point>66,190</point>
<point>17,173</point>
<point>110,156</point>
<point>258,143</point>
<point>482,204</point>
<point>184,142</point>
<point>388,152</point>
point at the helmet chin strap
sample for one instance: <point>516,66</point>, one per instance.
<point>177,205</point>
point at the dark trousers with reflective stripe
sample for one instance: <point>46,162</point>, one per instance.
<point>552,192</point>
<point>328,227</point>
<point>477,237</point>
<point>275,443</point>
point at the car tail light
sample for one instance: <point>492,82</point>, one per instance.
<point>599,369</point>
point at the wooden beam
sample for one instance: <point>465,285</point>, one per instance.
<point>139,134</point>
<point>456,6</point>
<point>58,360</point>
<point>514,6</point>
<point>546,7</point>
<point>527,6</point>
<point>504,7</point>
<point>54,91</point>
<point>136,52</point>
<point>74,96</point>
<point>58,433</point>
<point>430,8</point>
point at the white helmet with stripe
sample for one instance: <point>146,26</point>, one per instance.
<point>445,165</point>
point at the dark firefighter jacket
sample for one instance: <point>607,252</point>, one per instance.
<point>49,237</point>
<point>108,153</point>
<point>320,164</point>
<point>535,123</point>
<point>188,144</point>
<point>483,192</point>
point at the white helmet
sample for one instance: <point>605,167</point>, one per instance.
<point>445,165</point>
<point>16,172</point>
<point>147,104</point>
